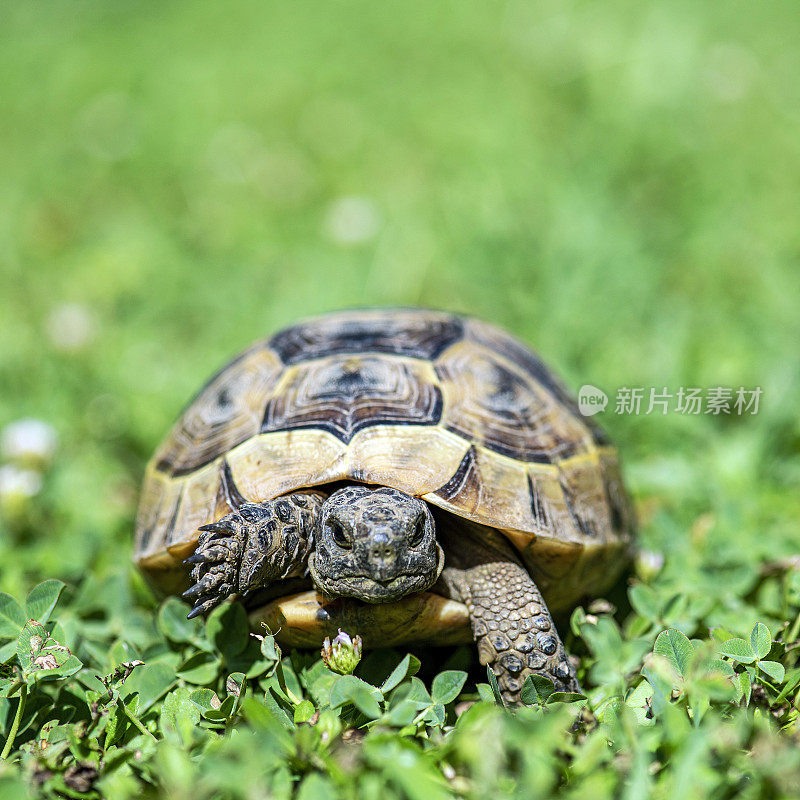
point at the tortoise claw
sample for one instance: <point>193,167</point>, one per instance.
<point>206,604</point>
<point>201,608</point>
<point>215,566</point>
<point>217,527</point>
<point>193,591</point>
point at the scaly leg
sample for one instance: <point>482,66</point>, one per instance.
<point>254,545</point>
<point>511,623</point>
<point>512,626</point>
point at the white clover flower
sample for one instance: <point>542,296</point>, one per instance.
<point>18,484</point>
<point>343,654</point>
<point>71,327</point>
<point>352,220</point>
<point>649,563</point>
<point>29,442</point>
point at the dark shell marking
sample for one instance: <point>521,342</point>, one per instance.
<point>411,333</point>
<point>343,395</point>
<point>498,395</point>
<point>498,407</point>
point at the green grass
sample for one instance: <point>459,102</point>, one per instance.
<point>615,183</point>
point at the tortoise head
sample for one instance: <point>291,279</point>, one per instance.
<point>376,545</point>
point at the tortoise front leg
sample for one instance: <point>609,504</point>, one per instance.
<point>252,546</point>
<point>513,628</point>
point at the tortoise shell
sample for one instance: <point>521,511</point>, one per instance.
<point>443,407</point>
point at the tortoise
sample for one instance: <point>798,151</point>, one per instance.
<point>410,475</point>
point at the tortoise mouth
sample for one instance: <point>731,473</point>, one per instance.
<point>369,590</point>
<point>375,590</point>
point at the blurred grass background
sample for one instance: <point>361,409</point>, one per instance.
<point>615,183</point>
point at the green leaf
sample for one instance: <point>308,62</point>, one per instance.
<point>40,655</point>
<point>565,697</point>
<point>268,717</point>
<point>70,667</point>
<point>234,684</point>
<point>223,713</point>
<point>639,702</point>
<point>401,713</point>
<point>42,600</point>
<point>116,723</point>
<point>485,693</point>
<point>435,716</point>
<point>349,689</point>
<point>173,624</point>
<point>409,665</point>
<point>536,689</point>
<point>201,668</point>
<point>406,702</point>
<point>417,693</point>
<point>760,640</point>
<point>8,649</point>
<point>228,629</point>
<point>792,679</point>
<point>644,601</point>
<point>738,649</point>
<point>576,620</point>
<point>12,617</point>
<point>150,682</point>
<point>30,640</point>
<point>205,699</point>
<point>744,687</point>
<point>250,661</point>
<point>676,648</point>
<point>321,685</point>
<point>269,647</point>
<point>316,787</point>
<point>447,686</point>
<point>495,687</point>
<point>775,670</point>
<point>711,665</point>
<point>179,717</point>
<point>304,711</point>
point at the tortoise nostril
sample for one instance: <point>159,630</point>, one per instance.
<point>381,548</point>
<point>382,552</point>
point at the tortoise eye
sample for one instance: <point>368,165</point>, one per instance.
<point>339,536</point>
<point>418,533</point>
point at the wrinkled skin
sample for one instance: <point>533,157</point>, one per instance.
<point>378,545</point>
<point>375,545</point>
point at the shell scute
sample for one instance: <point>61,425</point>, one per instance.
<point>410,332</point>
<point>491,400</point>
<point>344,394</point>
<point>227,411</point>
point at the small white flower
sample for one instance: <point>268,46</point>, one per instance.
<point>352,220</point>
<point>649,563</point>
<point>30,442</point>
<point>18,484</point>
<point>342,638</point>
<point>70,327</point>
